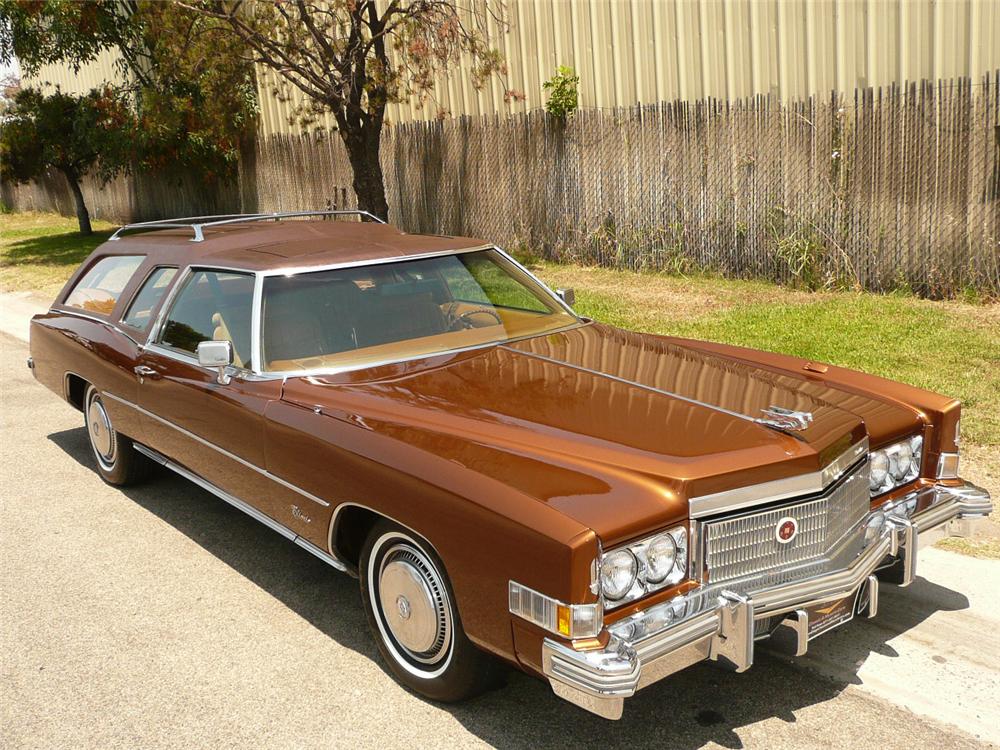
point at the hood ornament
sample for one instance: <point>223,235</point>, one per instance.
<point>786,419</point>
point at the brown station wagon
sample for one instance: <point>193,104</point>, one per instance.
<point>510,482</point>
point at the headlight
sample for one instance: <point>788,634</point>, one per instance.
<point>618,571</point>
<point>896,465</point>
<point>628,573</point>
<point>879,465</point>
<point>661,553</point>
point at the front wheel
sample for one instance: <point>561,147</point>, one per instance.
<point>118,462</point>
<point>412,613</point>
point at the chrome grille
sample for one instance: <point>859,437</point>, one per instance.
<point>746,545</point>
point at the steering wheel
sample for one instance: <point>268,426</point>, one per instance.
<point>461,320</point>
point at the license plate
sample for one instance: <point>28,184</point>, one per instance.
<point>830,615</point>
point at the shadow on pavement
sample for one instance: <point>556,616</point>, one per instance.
<point>700,705</point>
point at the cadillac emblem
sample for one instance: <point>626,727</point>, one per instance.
<point>786,530</point>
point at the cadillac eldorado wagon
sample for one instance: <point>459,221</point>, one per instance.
<point>509,481</point>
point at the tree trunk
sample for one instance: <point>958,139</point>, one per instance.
<point>369,184</point>
<point>82,215</point>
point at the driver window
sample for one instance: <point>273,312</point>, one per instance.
<point>212,306</point>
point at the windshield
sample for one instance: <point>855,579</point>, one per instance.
<point>352,317</point>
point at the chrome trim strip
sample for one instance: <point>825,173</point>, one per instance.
<point>380,514</point>
<point>296,270</point>
<point>103,321</point>
<point>241,505</point>
<point>312,549</point>
<point>223,451</point>
<point>633,383</point>
<point>256,325</point>
<point>180,356</point>
<point>778,489</point>
<point>510,259</point>
<point>282,374</point>
<point>322,371</point>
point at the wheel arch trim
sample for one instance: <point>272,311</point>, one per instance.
<point>335,519</point>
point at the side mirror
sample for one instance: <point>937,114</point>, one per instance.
<point>217,354</point>
<point>567,295</point>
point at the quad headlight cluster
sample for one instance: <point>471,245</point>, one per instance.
<point>656,562</point>
<point>895,465</point>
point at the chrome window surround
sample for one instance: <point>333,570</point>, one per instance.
<point>778,489</point>
<point>179,354</point>
<point>257,373</point>
<point>138,290</point>
<point>258,312</point>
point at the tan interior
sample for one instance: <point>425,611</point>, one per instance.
<point>515,323</point>
<point>222,333</point>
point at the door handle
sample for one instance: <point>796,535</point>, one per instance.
<point>146,372</point>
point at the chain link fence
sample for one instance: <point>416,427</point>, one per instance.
<point>891,188</point>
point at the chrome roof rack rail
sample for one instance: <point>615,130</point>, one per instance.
<point>197,224</point>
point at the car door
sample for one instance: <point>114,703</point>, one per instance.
<point>213,429</point>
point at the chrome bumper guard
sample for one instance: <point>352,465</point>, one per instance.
<point>719,625</point>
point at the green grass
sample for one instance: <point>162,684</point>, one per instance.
<point>38,251</point>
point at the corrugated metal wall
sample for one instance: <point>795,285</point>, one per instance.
<point>643,51</point>
<point>90,76</point>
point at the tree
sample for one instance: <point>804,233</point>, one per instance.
<point>72,134</point>
<point>351,59</point>
<point>186,75</point>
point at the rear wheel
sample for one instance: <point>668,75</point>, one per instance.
<point>118,462</point>
<point>412,614</point>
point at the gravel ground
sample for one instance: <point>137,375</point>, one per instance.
<point>159,616</point>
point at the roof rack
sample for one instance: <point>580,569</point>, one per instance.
<point>198,224</point>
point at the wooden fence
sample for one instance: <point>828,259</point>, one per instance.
<point>888,188</point>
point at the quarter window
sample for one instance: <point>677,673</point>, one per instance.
<point>212,305</point>
<point>141,309</point>
<point>99,289</point>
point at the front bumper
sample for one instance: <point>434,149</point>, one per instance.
<point>720,624</point>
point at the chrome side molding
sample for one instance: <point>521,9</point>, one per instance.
<point>241,505</point>
<point>223,451</point>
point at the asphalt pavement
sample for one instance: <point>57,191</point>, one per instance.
<point>159,616</point>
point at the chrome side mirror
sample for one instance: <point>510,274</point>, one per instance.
<point>567,295</point>
<point>217,354</point>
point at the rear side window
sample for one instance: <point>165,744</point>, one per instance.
<point>141,309</point>
<point>99,289</point>
<point>212,305</point>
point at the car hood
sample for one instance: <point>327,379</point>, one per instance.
<point>616,429</point>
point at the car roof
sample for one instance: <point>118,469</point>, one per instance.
<point>298,244</point>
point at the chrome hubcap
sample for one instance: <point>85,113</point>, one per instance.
<point>102,436</point>
<point>413,604</point>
